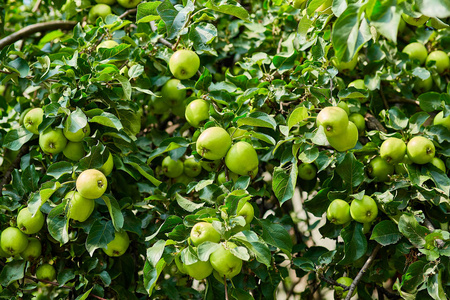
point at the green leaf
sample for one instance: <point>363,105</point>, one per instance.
<point>276,235</point>
<point>351,170</point>
<point>151,274</point>
<point>434,8</point>
<point>204,81</point>
<point>20,66</point>
<point>135,71</point>
<point>397,118</point>
<point>434,286</point>
<point>175,20</point>
<point>59,168</point>
<point>186,204</point>
<point>107,119</point>
<point>202,35</point>
<point>258,119</point>
<point>430,101</point>
<point>355,243</point>
<point>100,234</point>
<point>147,12</point>
<point>298,115</point>
<point>114,211</point>
<point>126,86</point>
<point>259,249</point>
<point>284,183</point>
<point>76,120</point>
<point>58,224</point>
<point>386,233</point>
<point>229,7</point>
<point>12,271</point>
<point>205,249</point>
<point>155,252</point>
<point>411,229</point>
<point>16,138</point>
<point>414,276</point>
<point>85,295</point>
<point>385,17</point>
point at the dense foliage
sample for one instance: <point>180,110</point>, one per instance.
<point>267,69</point>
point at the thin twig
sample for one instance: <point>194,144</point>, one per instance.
<point>36,6</point>
<point>49,282</point>
<point>226,287</point>
<point>404,100</point>
<point>334,282</point>
<point>98,297</point>
<point>386,105</point>
<point>362,271</point>
<point>40,27</point>
<point>126,13</point>
<point>161,40</point>
<point>372,123</point>
<point>15,164</point>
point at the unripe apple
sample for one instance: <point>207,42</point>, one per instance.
<point>393,150</point>
<point>211,166</point>
<point>224,262</point>
<point>339,290</point>
<point>172,168</point>
<point>28,223</point>
<point>345,66</point>
<point>247,211</point>
<point>213,143</point>
<point>196,112</point>
<point>77,136</point>
<point>119,245</point>
<point>422,86</point>
<point>184,64</point>
<point>415,21</point>
<point>74,151</point>
<point>33,119</point>
<point>440,120</point>
<point>91,184</point>
<point>13,241</point>
<point>98,10</point>
<point>338,212</point>
<point>442,60</point>
<point>416,51</point>
<point>171,94</point>
<point>46,272</point>
<point>242,159</point>
<point>33,250</point>
<point>80,208</point>
<point>380,169</point>
<point>298,4</point>
<point>345,140</point>
<point>333,119</point>
<point>52,141</point>
<point>108,166</point>
<point>222,178</point>
<point>359,121</point>
<point>199,270</point>
<point>364,210</point>
<point>307,171</point>
<point>108,44</point>
<point>192,168</point>
<point>420,150</point>
<point>129,3</point>
<point>109,2</point>
<point>203,232</point>
<point>438,163</point>
<point>344,106</point>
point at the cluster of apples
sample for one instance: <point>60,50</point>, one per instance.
<point>363,210</point>
<point>222,263</point>
<point>103,8</point>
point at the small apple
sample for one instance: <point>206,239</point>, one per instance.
<point>180,264</point>
<point>23,114</point>
<point>307,171</point>
<point>46,272</point>
<point>438,163</point>
<point>247,211</point>
<point>172,168</point>
<point>33,119</point>
<point>401,25</point>
<point>380,169</point>
<point>192,167</point>
<point>13,241</point>
<point>129,3</point>
<point>109,2</point>
<point>441,59</point>
<point>333,119</point>
<point>199,270</point>
<point>202,232</point>
<point>359,121</point>
<point>393,150</point>
<point>423,85</point>
<point>184,64</point>
<point>221,178</point>
<point>197,111</point>
<point>346,140</point>
<point>80,208</point>
<point>184,179</point>
<point>171,94</point>
<point>416,51</point>
<point>3,253</point>
<point>242,159</point>
<point>28,223</point>
<point>211,166</point>
<point>345,66</point>
<point>344,106</point>
<point>91,184</point>
<point>119,245</point>
<point>364,210</point>
<point>108,44</point>
<point>74,151</point>
<point>77,136</point>
<point>99,10</point>
<point>33,250</point>
<point>415,21</point>
<point>224,262</point>
<point>338,212</point>
<point>440,120</point>
<point>340,291</point>
<point>108,166</point>
<point>213,143</point>
<point>420,150</point>
<point>158,106</point>
<point>52,141</point>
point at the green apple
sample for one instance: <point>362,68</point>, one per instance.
<point>441,59</point>
<point>338,212</point>
<point>393,150</point>
<point>359,121</point>
<point>108,166</point>
<point>23,114</point>
<point>440,120</point>
<point>344,106</point>
<point>211,166</point>
<point>109,2</point>
<point>80,208</point>
<point>340,291</point>
<point>196,112</point>
<point>91,184</point>
<point>119,245</point>
<point>307,171</point>
<point>364,210</point>
<point>184,64</point>
<point>46,272</point>
<point>77,136</point>
<point>247,211</point>
<point>380,169</point>
<point>416,51</point>
<point>298,4</point>
<point>401,25</point>
<point>180,264</point>
<point>108,44</point>
<point>52,141</point>
<point>129,3</point>
<point>13,241</point>
<point>74,151</point>
<point>333,119</point>
<point>192,167</point>
<point>28,223</point>
<point>420,150</point>
<point>222,178</point>
<point>172,168</point>
<point>202,232</point>
<point>3,253</point>
<point>213,143</point>
<point>33,251</point>
<point>224,262</point>
<point>242,159</point>
<point>345,66</point>
<point>184,179</point>
<point>423,85</point>
<point>415,21</point>
<point>346,140</point>
<point>171,94</point>
<point>158,106</point>
<point>360,85</point>
<point>99,10</point>
<point>33,119</point>
<point>438,163</point>
<point>199,270</point>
